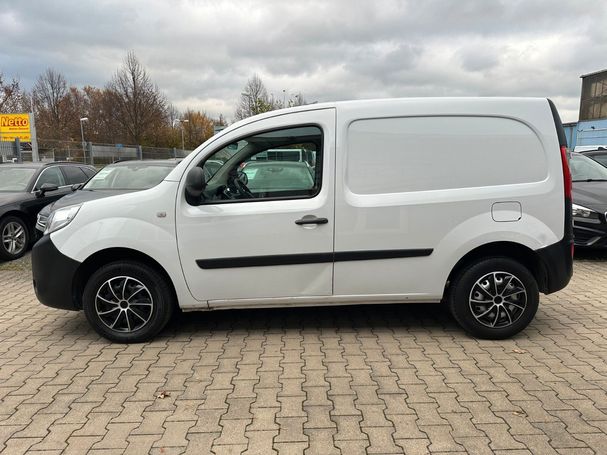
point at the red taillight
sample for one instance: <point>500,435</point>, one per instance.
<point>566,172</point>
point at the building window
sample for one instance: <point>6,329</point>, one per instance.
<point>593,104</point>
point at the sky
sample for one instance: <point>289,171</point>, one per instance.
<point>201,53</point>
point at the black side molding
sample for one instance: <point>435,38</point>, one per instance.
<point>309,258</point>
<point>260,261</point>
<point>369,255</point>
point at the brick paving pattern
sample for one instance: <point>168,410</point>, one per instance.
<point>382,379</point>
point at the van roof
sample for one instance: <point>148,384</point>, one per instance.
<point>380,102</point>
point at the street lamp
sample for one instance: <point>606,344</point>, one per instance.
<point>181,122</point>
<point>82,120</point>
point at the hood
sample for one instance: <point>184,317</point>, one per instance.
<point>10,198</point>
<point>77,197</point>
<point>591,194</point>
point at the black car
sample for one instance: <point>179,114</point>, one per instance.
<point>25,188</point>
<point>589,201</point>
<point>117,178</point>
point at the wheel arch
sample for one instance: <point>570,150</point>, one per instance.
<point>106,256</point>
<point>516,251</point>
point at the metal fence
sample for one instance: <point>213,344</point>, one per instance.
<point>88,152</point>
<point>7,151</point>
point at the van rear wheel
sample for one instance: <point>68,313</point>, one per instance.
<point>127,302</point>
<point>494,298</point>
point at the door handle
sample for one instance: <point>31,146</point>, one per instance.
<point>311,219</point>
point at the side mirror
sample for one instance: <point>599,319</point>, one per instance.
<point>195,183</point>
<point>45,188</point>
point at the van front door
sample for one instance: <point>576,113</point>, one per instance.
<point>263,228</point>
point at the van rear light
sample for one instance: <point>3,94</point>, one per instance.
<point>566,172</point>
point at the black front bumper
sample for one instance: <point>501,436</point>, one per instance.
<point>556,266</point>
<point>590,233</point>
<point>53,275</point>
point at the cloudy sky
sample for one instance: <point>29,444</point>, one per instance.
<point>201,52</point>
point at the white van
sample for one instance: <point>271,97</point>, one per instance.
<point>465,201</point>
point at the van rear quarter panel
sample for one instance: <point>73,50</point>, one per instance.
<point>418,174</point>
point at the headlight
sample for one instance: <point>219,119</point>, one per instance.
<point>584,212</point>
<point>61,218</point>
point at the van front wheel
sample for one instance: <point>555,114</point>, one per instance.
<point>127,302</point>
<point>494,298</point>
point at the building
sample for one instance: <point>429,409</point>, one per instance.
<point>591,129</point>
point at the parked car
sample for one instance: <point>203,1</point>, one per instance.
<point>117,178</point>
<point>588,148</point>
<point>24,189</point>
<point>598,154</point>
<point>266,176</point>
<point>589,201</point>
<point>465,201</point>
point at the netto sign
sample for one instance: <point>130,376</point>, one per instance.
<point>15,126</point>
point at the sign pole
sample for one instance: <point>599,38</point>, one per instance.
<point>18,150</point>
<point>35,156</point>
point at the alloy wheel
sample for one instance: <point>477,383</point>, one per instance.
<point>13,238</point>
<point>124,304</point>
<point>498,299</point>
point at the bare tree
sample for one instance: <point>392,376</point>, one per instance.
<point>12,97</point>
<point>172,113</point>
<point>50,102</point>
<point>221,121</point>
<point>137,106</point>
<point>297,100</point>
<point>254,99</point>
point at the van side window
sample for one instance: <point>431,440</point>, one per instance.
<point>278,164</point>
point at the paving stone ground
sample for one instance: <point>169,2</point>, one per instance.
<point>366,379</point>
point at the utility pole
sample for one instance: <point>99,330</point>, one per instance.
<point>82,120</point>
<point>181,122</point>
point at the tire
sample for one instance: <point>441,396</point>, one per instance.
<point>494,298</point>
<point>14,238</point>
<point>127,302</point>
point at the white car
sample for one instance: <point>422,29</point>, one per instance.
<point>460,200</point>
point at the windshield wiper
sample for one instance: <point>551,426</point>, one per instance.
<point>591,180</point>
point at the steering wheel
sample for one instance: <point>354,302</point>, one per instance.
<point>242,188</point>
<point>236,188</point>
